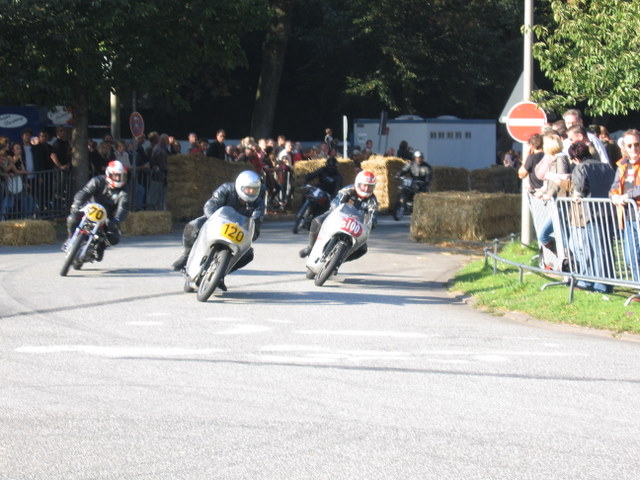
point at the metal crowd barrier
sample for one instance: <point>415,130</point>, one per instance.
<point>596,242</point>
<point>49,194</point>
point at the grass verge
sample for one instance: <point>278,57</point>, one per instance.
<point>504,292</point>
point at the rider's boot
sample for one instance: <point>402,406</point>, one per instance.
<point>221,285</point>
<point>313,236</point>
<point>181,262</point>
<point>100,251</point>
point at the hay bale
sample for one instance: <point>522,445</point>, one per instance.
<point>147,223</point>
<point>384,168</point>
<point>301,169</point>
<point>192,179</point>
<point>26,232</point>
<point>447,179</point>
<point>496,179</point>
<point>469,216</point>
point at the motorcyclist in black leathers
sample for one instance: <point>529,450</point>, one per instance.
<point>419,170</point>
<point>246,195</point>
<point>329,178</point>
<point>107,190</point>
<point>361,195</point>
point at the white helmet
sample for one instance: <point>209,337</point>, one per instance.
<point>418,154</point>
<point>116,174</point>
<point>365,183</point>
<point>248,185</point>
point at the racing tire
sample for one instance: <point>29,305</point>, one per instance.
<point>215,269</point>
<point>72,252</point>
<point>333,262</point>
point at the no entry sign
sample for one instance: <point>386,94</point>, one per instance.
<point>525,119</point>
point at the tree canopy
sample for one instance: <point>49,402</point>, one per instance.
<point>590,51</point>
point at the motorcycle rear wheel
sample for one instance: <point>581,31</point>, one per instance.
<point>215,268</point>
<point>333,262</point>
<point>72,252</point>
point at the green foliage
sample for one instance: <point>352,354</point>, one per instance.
<point>504,292</point>
<point>53,51</point>
<point>590,51</point>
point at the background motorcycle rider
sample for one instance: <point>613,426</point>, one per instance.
<point>329,178</point>
<point>361,196</point>
<point>421,172</point>
<point>246,196</point>
<point>107,190</point>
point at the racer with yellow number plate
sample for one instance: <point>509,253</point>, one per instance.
<point>107,190</point>
<point>246,196</point>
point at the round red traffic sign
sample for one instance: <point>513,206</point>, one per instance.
<point>525,119</point>
<point>136,124</point>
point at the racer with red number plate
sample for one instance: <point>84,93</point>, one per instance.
<point>361,196</point>
<point>246,196</point>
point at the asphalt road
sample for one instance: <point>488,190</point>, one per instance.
<point>114,373</point>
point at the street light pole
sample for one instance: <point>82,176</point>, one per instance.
<point>527,77</point>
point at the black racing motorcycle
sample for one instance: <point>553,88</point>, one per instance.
<point>316,202</point>
<point>404,200</point>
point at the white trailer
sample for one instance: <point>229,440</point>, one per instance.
<point>444,141</point>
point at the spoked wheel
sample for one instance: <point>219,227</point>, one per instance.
<point>215,268</point>
<point>72,251</point>
<point>334,260</point>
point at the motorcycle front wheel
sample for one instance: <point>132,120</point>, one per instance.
<point>301,218</point>
<point>72,252</point>
<point>215,268</point>
<point>333,261</point>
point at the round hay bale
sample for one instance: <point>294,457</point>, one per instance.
<point>26,232</point>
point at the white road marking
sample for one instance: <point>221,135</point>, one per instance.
<point>366,333</point>
<point>118,351</point>
<point>243,330</point>
<point>145,324</point>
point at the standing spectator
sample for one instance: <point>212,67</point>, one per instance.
<point>329,140</point>
<point>203,144</point>
<point>159,163</point>
<point>579,134</point>
<point>511,159</point>
<point>574,117</point>
<point>174,147</point>
<point>626,186</point>
<point>280,144</point>
<point>285,162</point>
<point>13,171</point>
<point>61,150</point>
<point>141,168</point>
<point>97,163</point>
<point>555,184</point>
<point>122,155</point>
<point>404,151</point>
<point>534,156</point>
<point>42,150</point>
<point>217,148</point>
<point>612,148</point>
<point>591,178</point>
<point>194,144</point>
<point>154,138</point>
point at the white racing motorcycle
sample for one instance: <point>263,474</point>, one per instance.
<point>223,239</point>
<point>343,232</point>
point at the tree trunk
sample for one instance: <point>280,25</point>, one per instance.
<point>79,142</point>
<point>273,53</point>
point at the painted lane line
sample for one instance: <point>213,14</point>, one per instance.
<point>118,351</point>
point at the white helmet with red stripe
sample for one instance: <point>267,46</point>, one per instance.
<point>116,174</point>
<point>365,183</point>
